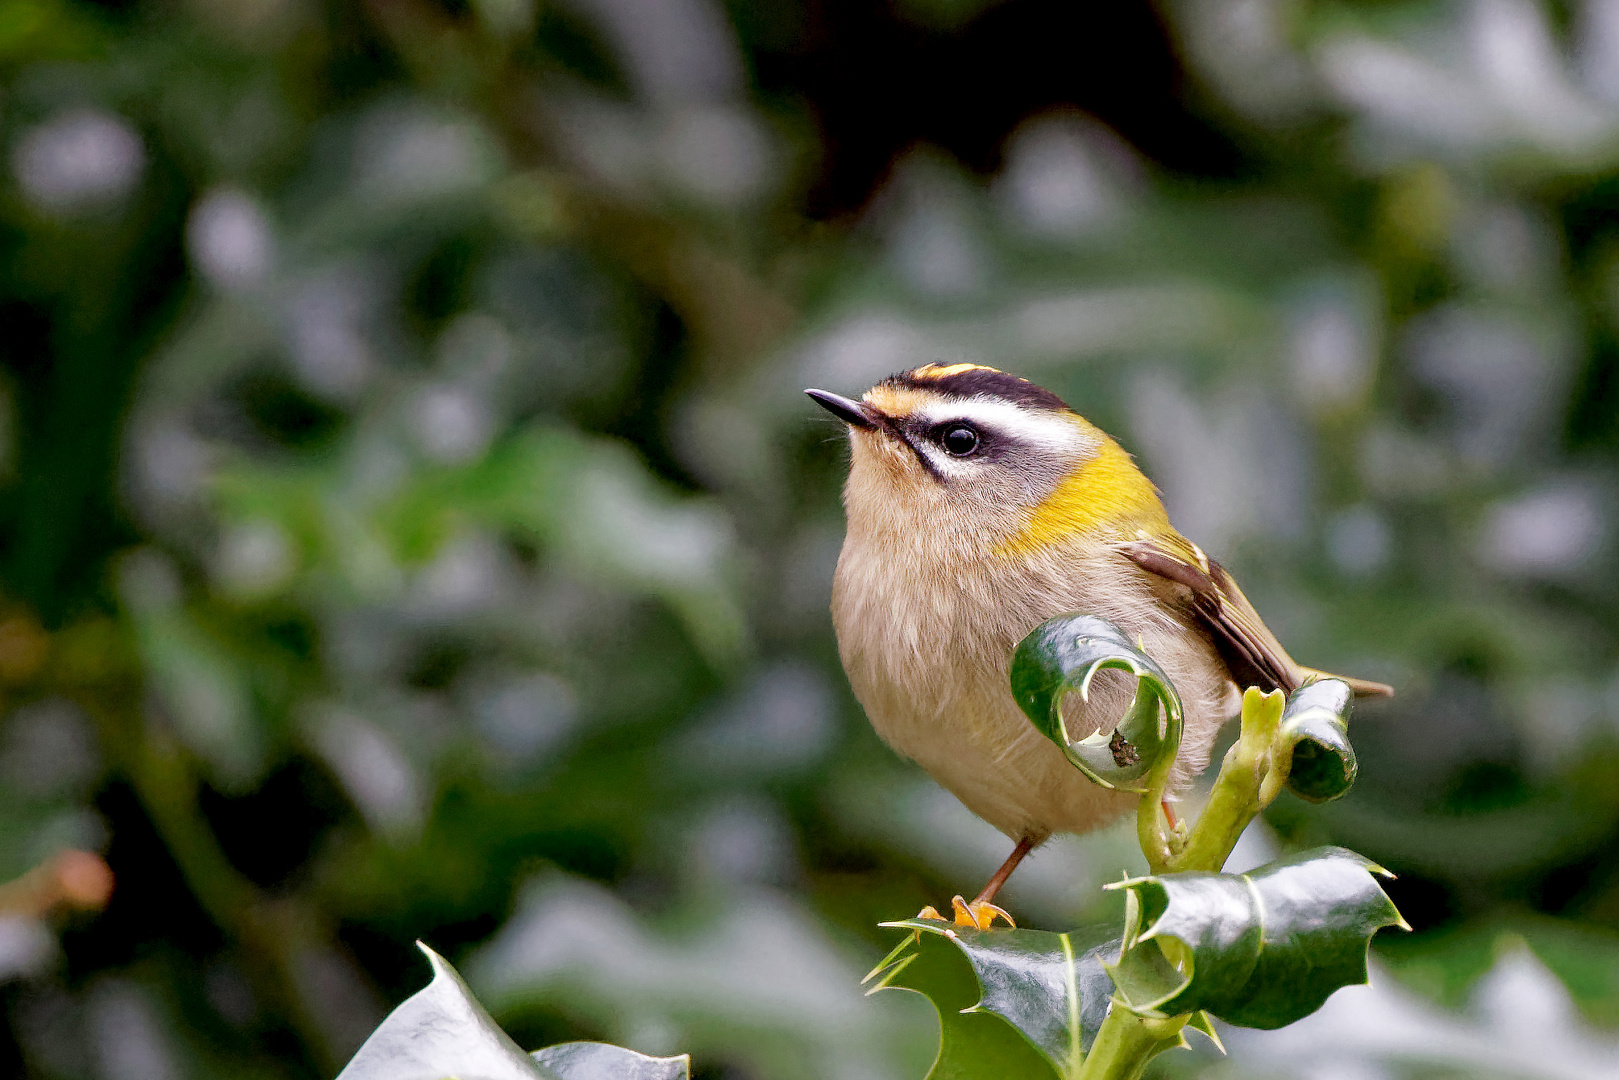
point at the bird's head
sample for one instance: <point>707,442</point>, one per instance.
<point>992,457</point>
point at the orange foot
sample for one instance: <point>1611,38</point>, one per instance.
<point>979,914</point>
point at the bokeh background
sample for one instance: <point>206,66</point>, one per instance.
<point>411,525</point>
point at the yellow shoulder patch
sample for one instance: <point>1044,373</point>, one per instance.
<point>1107,493</point>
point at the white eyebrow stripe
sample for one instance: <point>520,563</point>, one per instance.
<point>1049,430</point>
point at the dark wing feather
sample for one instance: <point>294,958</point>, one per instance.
<point>1244,642</point>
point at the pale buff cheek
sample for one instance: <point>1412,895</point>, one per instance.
<point>925,526</point>
<point>879,475</point>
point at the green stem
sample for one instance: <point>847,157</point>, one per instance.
<point>1158,842</point>
<point>1127,1042</point>
<point>1249,779</point>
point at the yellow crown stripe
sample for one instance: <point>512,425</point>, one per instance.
<point>934,371</point>
<point>1108,491</point>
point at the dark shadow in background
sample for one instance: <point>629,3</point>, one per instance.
<point>878,84</point>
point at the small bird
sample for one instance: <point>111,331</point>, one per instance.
<point>979,505</point>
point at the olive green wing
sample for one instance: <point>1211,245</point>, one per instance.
<point>1245,643</point>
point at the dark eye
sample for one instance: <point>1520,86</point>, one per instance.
<point>959,440</point>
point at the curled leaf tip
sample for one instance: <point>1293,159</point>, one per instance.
<point>1314,740</point>
<point>1064,655</point>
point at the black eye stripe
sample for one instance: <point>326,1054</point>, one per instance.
<point>927,439</point>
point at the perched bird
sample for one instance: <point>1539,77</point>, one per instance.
<point>979,505</point>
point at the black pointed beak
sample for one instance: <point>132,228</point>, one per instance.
<point>854,413</point>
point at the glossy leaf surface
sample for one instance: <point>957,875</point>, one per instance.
<point>442,1031</point>
<point>1315,730</point>
<point>604,1061</point>
<point>1063,656</point>
<point>1024,1003</point>
<point>1260,949</point>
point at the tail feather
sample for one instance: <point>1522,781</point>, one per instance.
<point>1361,687</point>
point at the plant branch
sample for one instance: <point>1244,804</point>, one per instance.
<point>1127,1042</point>
<point>1160,842</point>
<point>1249,779</point>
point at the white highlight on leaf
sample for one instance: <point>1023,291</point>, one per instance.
<point>718,152</point>
<point>762,962</point>
<point>783,719</point>
<point>373,769</point>
<point>1359,540</point>
<point>48,750</point>
<point>254,559</point>
<point>1384,1025</point>
<point>78,161</point>
<point>1551,532</point>
<point>128,1034</point>
<point>326,316</point>
<point>229,239</point>
<point>437,1032</point>
<point>27,947</point>
<point>452,424</point>
<point>1062,177</point>
<point>405,155</point>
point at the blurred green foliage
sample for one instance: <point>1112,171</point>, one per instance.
<point>411,527</point>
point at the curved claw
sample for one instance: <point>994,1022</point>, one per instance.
<point>931,913</point>
<point>980,914</point>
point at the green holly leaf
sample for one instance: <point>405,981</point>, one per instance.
<point>1024,1004</point>
<point>441,1031</point>
<point>1314,741</point>
<point>604,1061</point>
<point>1062,656</point>
<point>1260,949</point>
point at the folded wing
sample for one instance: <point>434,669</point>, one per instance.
<point>1244,642</point>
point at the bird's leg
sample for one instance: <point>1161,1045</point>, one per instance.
<point>981,913</point>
